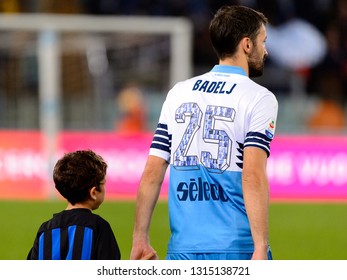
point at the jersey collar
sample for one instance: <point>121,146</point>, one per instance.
<point>229,69</point>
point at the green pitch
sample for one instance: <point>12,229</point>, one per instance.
<point>297,231</point>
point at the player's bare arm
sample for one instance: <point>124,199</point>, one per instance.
<point>256,195</point>
<point>148,193</point>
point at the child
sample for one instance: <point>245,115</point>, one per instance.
<point>76,233</point>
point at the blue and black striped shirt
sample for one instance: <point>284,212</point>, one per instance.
<point>75,234</point>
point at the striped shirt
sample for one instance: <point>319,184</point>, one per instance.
<point>76,234</point>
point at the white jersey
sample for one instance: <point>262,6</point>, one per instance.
<point>204,126</point>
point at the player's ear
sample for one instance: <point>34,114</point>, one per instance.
<point>92,193</point>
<point>246,45</point>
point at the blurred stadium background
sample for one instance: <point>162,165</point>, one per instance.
<point>93,74</point>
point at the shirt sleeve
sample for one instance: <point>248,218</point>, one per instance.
<point>161,143</point>
<point>106,246</point>
<point>262,123</point>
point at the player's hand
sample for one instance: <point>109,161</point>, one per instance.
<point>141,250</point>
<point>260,255</point>
<point>150,256</point>
<point>144,256</point>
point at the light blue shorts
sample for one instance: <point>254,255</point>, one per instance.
<point>212,256</point>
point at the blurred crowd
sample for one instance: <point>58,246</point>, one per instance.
<point>325,76</point>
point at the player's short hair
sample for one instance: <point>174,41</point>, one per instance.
<point>230,25</point>
<point>77,172</point>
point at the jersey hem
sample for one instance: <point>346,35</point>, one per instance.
<point>209,251</point>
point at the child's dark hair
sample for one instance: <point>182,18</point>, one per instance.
<point>77,172</point>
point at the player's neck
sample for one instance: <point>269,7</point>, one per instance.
<point>236,61</point>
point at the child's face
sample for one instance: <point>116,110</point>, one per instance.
<point>100,194</point>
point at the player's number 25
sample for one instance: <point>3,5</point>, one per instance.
<point>210,135</point>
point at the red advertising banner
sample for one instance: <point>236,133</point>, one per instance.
<point>308,167</point>
<point>125,155</point>
<point>23,169</point>
<point>299,168</point>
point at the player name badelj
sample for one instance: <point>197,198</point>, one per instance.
<point>213,87</point>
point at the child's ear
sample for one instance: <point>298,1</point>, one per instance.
<point>92,193</point>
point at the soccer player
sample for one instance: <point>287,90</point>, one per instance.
<point>215,132</point>
<point>76,233</point>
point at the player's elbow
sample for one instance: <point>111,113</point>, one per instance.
<point>254,179</point>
